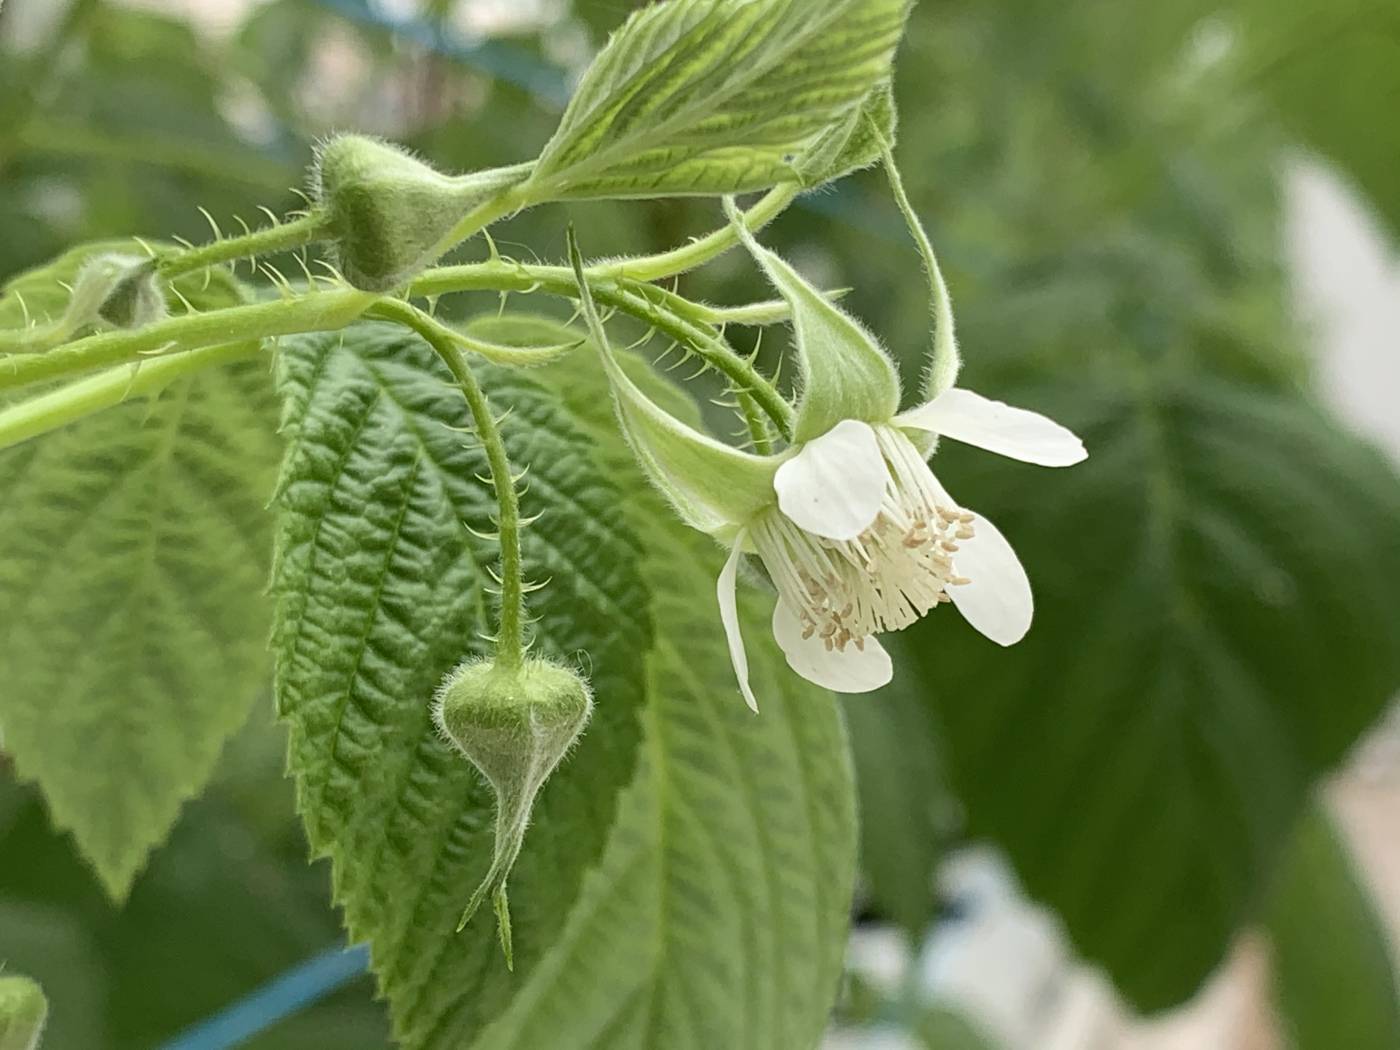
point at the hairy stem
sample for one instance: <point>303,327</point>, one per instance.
<point>510,641</point>
<point>669,313</point>
<point>946,361</point>
<point>57,408</point>
<point>703,249</point>
<point>673,315</point>
<point>295,233</point>
<point>315,312</point>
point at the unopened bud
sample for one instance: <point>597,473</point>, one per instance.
<point>122,290</point>
<point>23,1010</point>
<point>515,725</point>
<point>388,210</point>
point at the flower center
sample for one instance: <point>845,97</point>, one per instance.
<point>897,570</point>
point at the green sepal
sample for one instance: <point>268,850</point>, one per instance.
<point>714,487</point>
<point>515,724</point>
<point>845,373</point>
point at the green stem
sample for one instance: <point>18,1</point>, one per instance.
<point>703,249</point>
<point>28,419</point>
<point>943,369</point>
<point>757,424</point>
<point>678,318</point>
<point>669,313</point>
<point>510,641</point>
<point>283,237</point>
<point>504,204</point>
<point>318,312</point>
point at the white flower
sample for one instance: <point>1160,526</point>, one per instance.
<point>854,530</point>
<point>864,539</point>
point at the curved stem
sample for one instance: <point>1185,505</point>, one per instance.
<point>946,361</point>
<point>510,641</point>
<point>669,313</point>
<point>57,408</point>
<point>314,226</point>
<point>703,249</point>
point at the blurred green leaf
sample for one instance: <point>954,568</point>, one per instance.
<point>1333,965</point>
<point>1215,626</point>
<point>23,1011</point>
<point>1333,69</point>
<point>136,553</point>
<point>227,905</point>
<point>941,1028</point>
<point>905,809</point>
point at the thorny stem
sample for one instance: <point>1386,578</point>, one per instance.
<point>669,313</point>
<point>756,422</point>
<point>285,236</point>
<point>510,641</point>
<point>318,312</point>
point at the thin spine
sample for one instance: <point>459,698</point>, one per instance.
<point>510,625</point>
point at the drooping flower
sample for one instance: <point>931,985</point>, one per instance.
<point>850,524</point>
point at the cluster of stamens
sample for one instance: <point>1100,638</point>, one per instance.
<point>896,571</point>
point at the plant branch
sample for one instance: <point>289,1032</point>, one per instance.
<point>57,408</point>
<point>510,641</point>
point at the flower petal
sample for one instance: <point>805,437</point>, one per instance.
<point>998,601</point>
<point>727,590</point>
<point>997,427</point>
<point>835,484</point>
<point>853,670</point>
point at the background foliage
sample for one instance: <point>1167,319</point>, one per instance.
<point>1215,624</point>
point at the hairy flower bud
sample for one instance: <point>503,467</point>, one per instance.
<point>388,210</point>
<point>515,725</point>
<point>122,290</point>
<point>23,1010</point>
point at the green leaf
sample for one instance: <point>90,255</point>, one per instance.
<point>381,590</point>
<point>1216,623</point>
<point>1331,69</point>
<point>1334,972</point>
<point>716,96</point>
<point>227,905</point>
<point>905,808</point>
<point>134,637</point>
<point>718,880</point>
<point>855,142</point>
<point>718,915</point>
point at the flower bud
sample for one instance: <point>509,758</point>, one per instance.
<point>23,1010</point>
<point>122,290</point>
<point>388,210</point>
<point>515,725</point>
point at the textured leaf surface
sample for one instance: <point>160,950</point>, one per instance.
<point>1216,623</point>
<point>133,638</point>
<point>380,592</point>
<point>1334,973</point>
<point>717,96</point>
<point>707,901</point>
<point>718,916</point>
